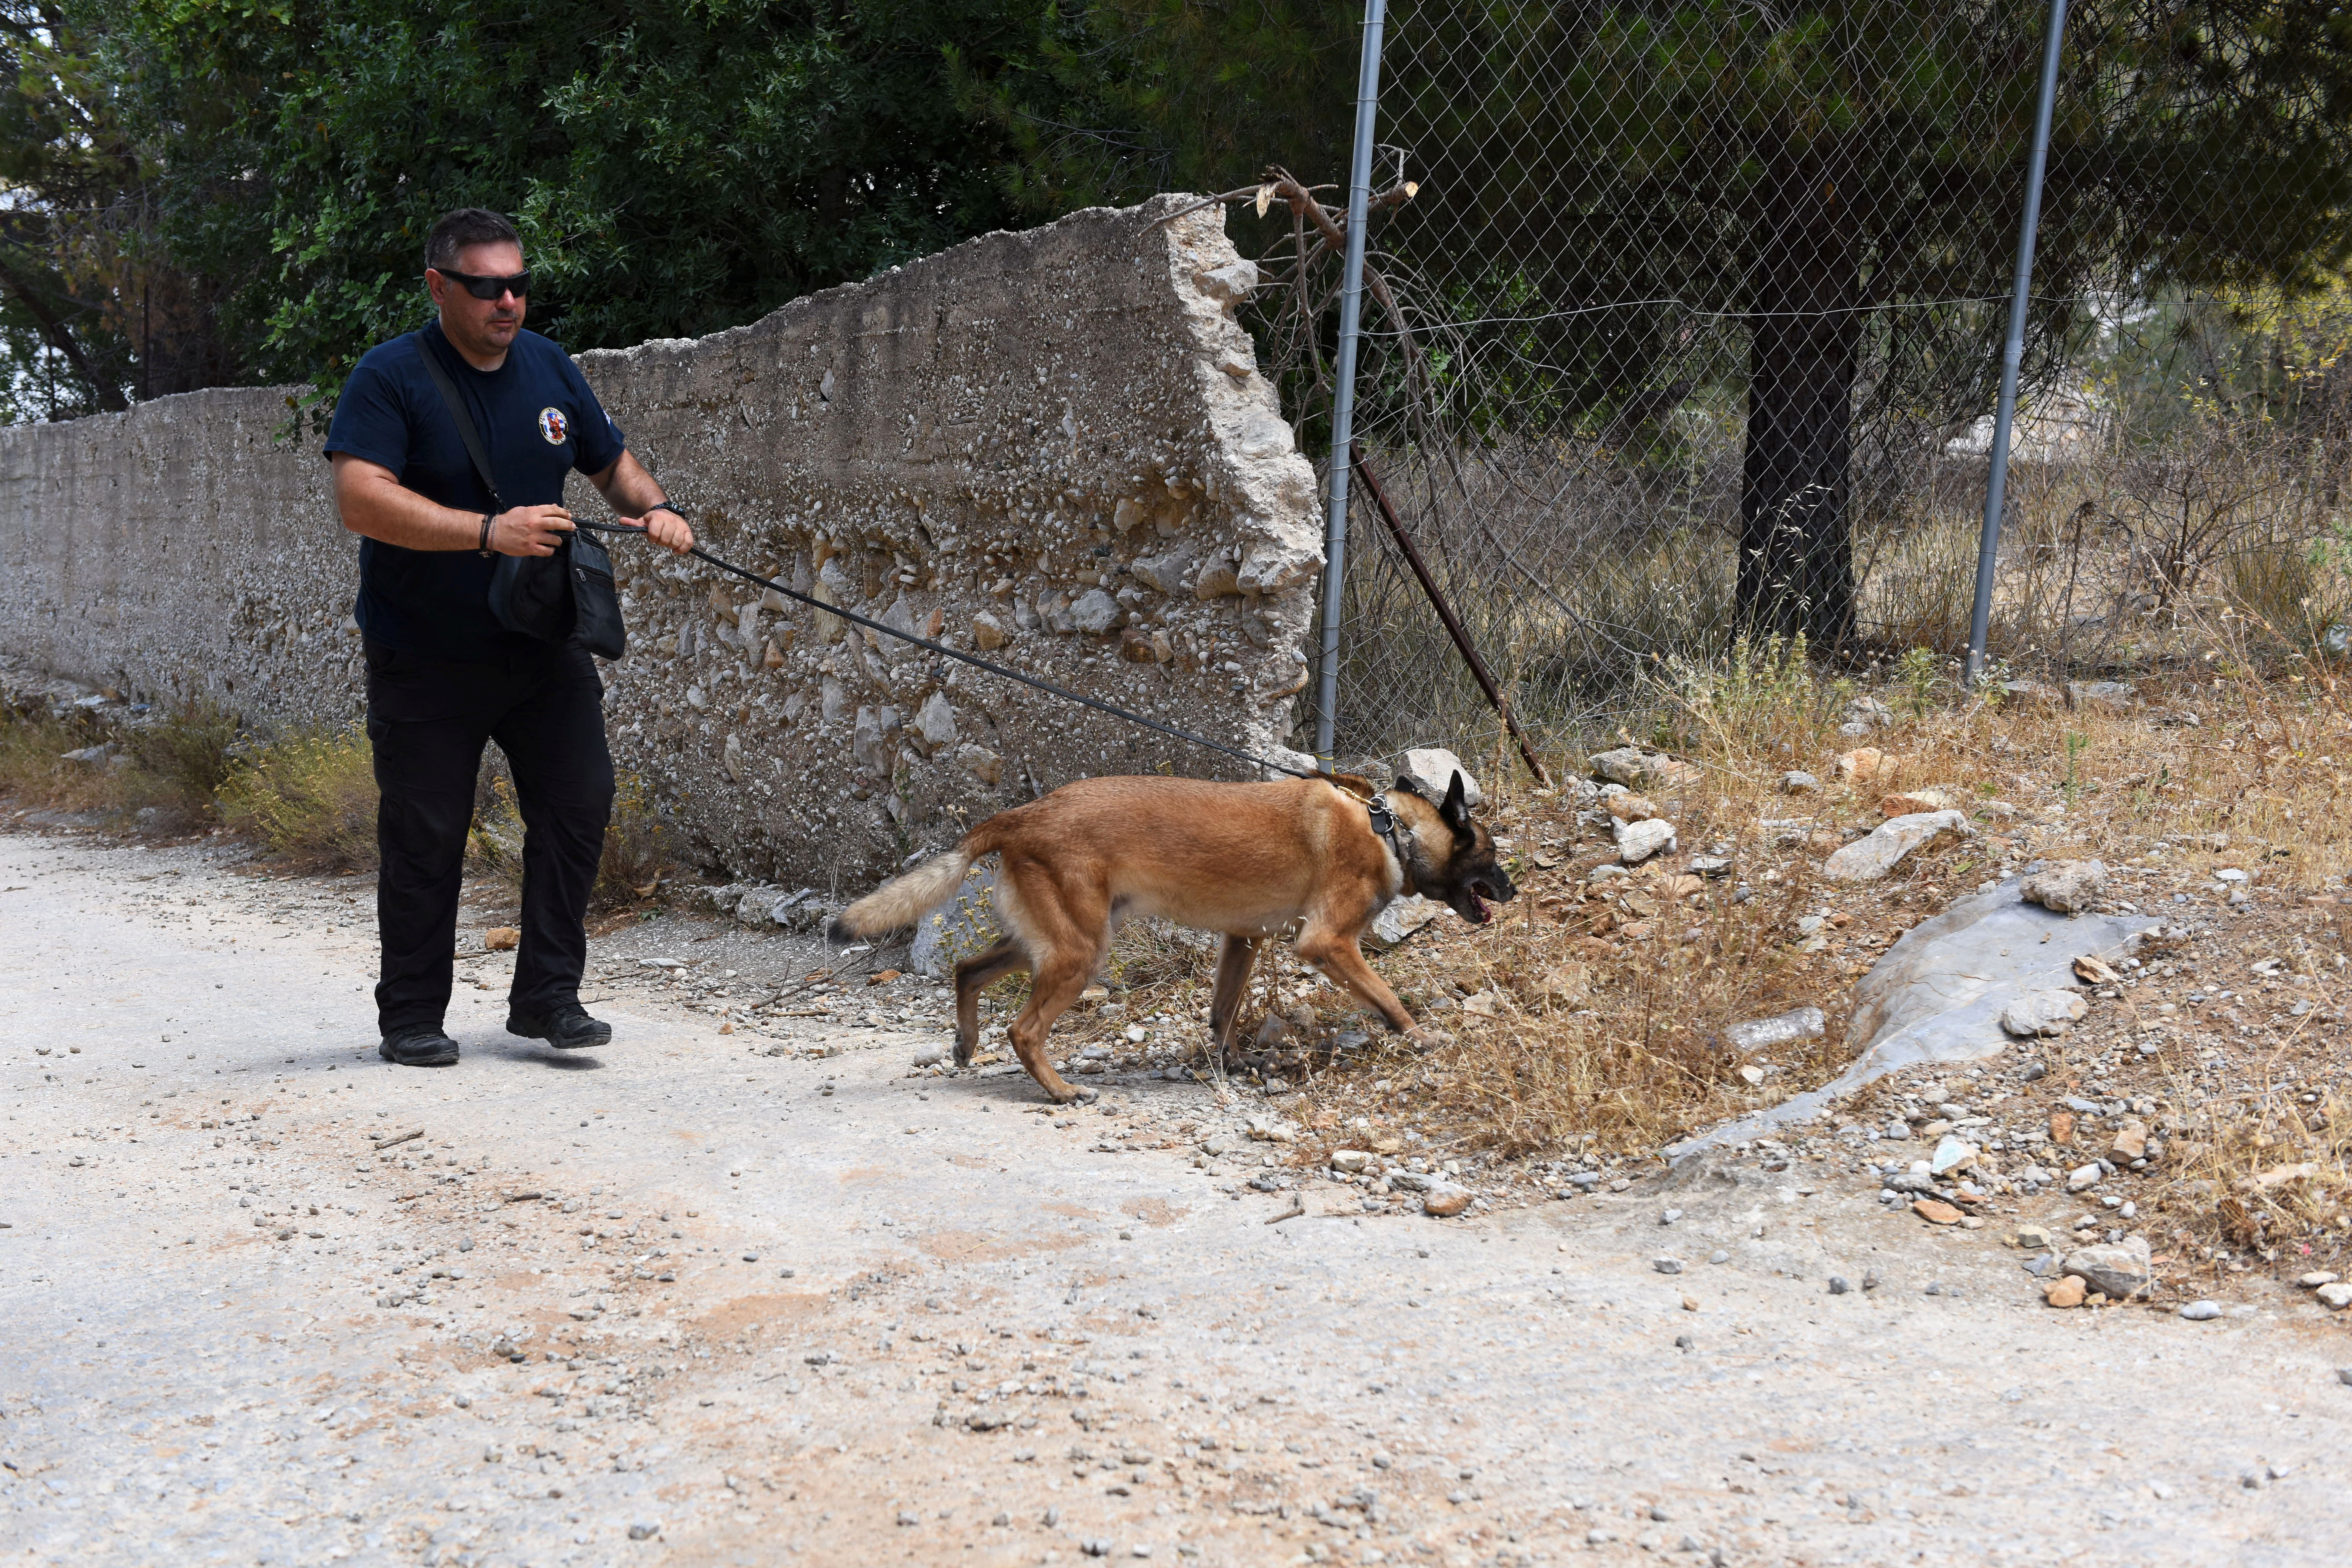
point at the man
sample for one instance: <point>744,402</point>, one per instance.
<point>444,676</point>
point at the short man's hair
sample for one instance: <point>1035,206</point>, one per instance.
<point>466,225</point>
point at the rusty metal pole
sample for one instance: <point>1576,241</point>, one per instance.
<point>1437,602</point>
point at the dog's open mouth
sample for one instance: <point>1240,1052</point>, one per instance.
<point>1474,908</point>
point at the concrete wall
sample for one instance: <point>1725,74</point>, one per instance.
<point>1051,446</point>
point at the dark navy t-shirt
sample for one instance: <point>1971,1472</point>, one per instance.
<point>538,421</point>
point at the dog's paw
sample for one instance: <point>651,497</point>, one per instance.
<point>1426,1036</point>
<point>1086,1096</point>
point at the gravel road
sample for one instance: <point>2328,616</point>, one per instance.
<point>684,1301</point>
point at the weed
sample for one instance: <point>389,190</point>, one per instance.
<point>310,797</point>
<point>183,759</point>
<point>638,847</point>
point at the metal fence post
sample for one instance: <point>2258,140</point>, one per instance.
<point>1343,402</point>
<point>2012,351</point>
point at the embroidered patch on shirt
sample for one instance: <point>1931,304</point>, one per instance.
<point>551,424</point>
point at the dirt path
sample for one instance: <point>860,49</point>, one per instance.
<point>813,1308</point>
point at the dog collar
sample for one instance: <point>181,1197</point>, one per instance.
<point>1385,824</point>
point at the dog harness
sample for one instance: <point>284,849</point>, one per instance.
<point>1385,824</point>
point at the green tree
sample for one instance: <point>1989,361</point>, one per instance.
<point>676,168</point>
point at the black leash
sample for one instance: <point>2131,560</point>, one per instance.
<point>976,662</point>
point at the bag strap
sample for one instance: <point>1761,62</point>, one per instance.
<point>466,431</point>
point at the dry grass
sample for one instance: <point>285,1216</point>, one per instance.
<point>1590,1039</point>
<point>309,798</point>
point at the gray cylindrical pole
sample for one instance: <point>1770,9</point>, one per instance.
<point>1343,401</point>
<point>2012,352</point>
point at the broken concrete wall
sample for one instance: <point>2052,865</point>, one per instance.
<point>1052,447</point>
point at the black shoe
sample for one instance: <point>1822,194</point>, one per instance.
<point>421,1046</point>
<point>567,1027</point>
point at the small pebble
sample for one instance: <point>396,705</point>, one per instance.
<point>1838,1286</point>
<point>2201,1311</point>
<point>1667,1265</point>
<point>1718,1257</point>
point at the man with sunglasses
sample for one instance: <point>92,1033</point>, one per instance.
<point>444,676</point>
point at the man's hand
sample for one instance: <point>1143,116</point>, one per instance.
<point>666,528</point>
<point>530,529</point>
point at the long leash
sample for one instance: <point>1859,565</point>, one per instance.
<point>1081,698</point>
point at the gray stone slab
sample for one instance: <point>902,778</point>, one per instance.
<point>1937,995</point>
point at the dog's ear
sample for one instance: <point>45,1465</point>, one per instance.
<point>1407,786</point>
<point>1453,809</point>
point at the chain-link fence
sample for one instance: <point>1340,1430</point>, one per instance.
<point>1684,322</point>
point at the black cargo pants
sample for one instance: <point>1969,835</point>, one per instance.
<point>426,722</point>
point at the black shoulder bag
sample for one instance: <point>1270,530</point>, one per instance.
<point>552,598</point>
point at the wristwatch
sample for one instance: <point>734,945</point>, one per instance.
<point>488,518</point>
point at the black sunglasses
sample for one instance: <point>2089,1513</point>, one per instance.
<point>483,287</point>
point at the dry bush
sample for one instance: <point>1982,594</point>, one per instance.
<point>639,848</point>
<point>33,768</point>
<point>179,763</point>
<point>310,797</point>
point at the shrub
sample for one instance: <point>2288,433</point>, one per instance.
<point>310,797</point>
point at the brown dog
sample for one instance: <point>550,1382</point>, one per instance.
<point>1246,860</point>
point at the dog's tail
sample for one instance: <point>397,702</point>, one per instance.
<point>902,900</point>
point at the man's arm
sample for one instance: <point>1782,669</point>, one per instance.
<point>633,495</point>
<point>376,505</point>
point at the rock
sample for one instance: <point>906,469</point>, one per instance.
<point>1952,1153</point>
<point>1796,781</point>
<point>2062,1126</point>
<point>981,762</point>
<point>1935,1211</point>
<point>1351,1161</point>
<point>2069,887</point>
<point>1912,801</point>
<point>1445,1203</point>
<point>2334,1297</point>
<point>2032,1237</point>
<point>1165,573</point>
<point>2120,1272</point>
<point>1628,807</point>
<point>930,1055</point>
<point>1870,712</point>
<point>1937,995</point>
<point>1838,1286</point>
<point>1783,1028</point>
<point>1096,614</point>
<point>1217,579</point>
<point>2316,1279</point>
<point>2201,1311</point>
<point>1869,858</point>
<point>1230,283</point>
<point>1637,769</point>
<point>645,1530</point>
<point>1637,841</point>
<point>1667,1265</point>
<point>2112,698</point>
<point>964,926</point>
<point>2064,1291</point>
<point>502,939</point>
<point>1403,918</point>
<point>989,633</point>
<point>2082,1178</point>
<point>1432,770</point>
<point>2031,691</point>
<point>2043,1012</point>
<point>935,721</point>
<point>1862,765</point>
<point>2130,1144</point>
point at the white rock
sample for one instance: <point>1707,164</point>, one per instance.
<point>1637,841</point>
<point>2067,888</point>
<point>981,762</point>
<point>935,721</point>
<point>1350,1159</point>
<point>2051,1012</point>
<point>1167,573</point>
<point>1432,769</point>
<point>1403,918</point>
<point>1097,613</point>
<point>1235,281</point>
<point>930,1055</point>
<point>1785,1029</point>
<point>1950,1155</point>
<point>2082,1178</point>
<point>2334,1297</point>
<point>2201,1311</point>
<point>1869,858</point>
